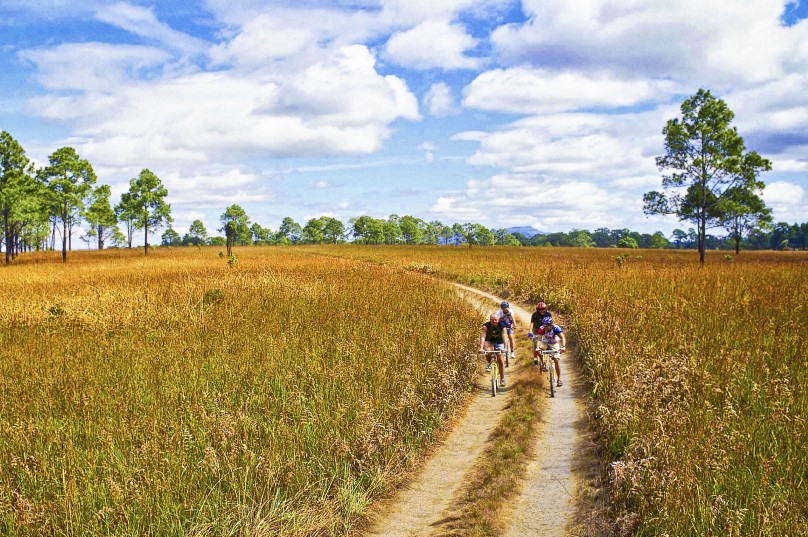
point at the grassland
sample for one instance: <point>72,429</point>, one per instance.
<point>698,374</point>
<point>174,395</point>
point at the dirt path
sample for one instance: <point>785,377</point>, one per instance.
<point>545,505</point>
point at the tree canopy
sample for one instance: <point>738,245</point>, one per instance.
<point>705,160</point>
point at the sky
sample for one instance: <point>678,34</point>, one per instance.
<point>543,113</point>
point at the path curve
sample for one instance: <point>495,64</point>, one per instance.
<point>545,505</point>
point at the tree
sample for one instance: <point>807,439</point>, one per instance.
<point>412,229</point>
<point>147,200</point>
<point>236,227</point>
<point>197,234</point>
<point>391,230</point>
<point>126,213</point>
<point>313,231</point>
<point>70,180</point>
<point>581,238</point>
<point>260,234</point>
<point>14,168</point>
<point>171,238</point>
<point>289,232</point>
<point>333,229</point>
<point>100,216</point>
<point>627,242</point>
<point>743,211</point>
<point>706,157</point>
<point>658,240</point>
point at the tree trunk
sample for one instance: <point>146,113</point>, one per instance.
<point>6,237</point>
<point>146,239</point>
<point>100,230</point>
<point>64,241</point>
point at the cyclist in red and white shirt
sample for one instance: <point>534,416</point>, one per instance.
<point>551,337</point>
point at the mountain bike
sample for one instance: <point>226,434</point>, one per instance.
<point>550,365</point>
<point>494,368</point>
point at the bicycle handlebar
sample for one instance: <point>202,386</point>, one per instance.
<point>492,351</point>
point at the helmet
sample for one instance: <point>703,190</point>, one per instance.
<point>504,305</point>
<point>541,306</point>
<point>547,321</point>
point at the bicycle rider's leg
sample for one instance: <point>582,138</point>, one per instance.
<point>501,361</point>
<point>488,346</point>
<point>512,347</point>
<point>542,346</point>
<point>556,360</point>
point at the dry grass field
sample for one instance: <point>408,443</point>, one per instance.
<point>174,395</point>
<point>699,375</point>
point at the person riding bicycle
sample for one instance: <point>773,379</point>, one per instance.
<point>550,336</point>
<point>492,337</point>
<point>535,323</point>
<point>506,318</point>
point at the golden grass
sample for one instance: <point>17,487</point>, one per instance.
<point>698,375</point>
<point>173,395</point>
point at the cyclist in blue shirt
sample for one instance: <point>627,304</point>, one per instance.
<point>551,336</point>
<point>506,318</point>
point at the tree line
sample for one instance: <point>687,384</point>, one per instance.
<point>709,180</point>
<point>39,203</point>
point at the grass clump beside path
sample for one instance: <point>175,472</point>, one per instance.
<point>698,374</point>
<point>174,395</point>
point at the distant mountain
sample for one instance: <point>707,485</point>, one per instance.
<point>527,231</point>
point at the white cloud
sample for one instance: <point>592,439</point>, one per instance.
<point>142,22</point>
<point>439,100</point>
<point>432,44</point>
<point>713,43</point>
<point>429,150</point>
<point>321,184</point>
<point>529,91</point>
<point>94,66</point>
<point>514,199</point>
<point>787,201</point>
<point>339,105</point>
<point>572,146</point>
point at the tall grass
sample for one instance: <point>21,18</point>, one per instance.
<point>175,395</point>
<point>699,375</point>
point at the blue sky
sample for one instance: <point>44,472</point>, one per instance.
<point>541,112</point>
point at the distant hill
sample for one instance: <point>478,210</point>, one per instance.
<point>527,231</point>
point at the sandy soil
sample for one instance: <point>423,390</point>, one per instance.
<point>544,506</point>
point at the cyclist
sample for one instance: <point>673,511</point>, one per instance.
<point>535,323</point>
<point>551,337</point>
<point>492,337</point>
<point>506,318</point>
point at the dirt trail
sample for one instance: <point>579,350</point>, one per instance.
<point>545,505</point>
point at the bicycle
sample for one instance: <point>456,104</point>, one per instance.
<point>494,368</point>
<point>548,363</point>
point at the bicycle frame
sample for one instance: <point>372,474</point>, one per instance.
<point>546,357</point>
<point>494,368</point>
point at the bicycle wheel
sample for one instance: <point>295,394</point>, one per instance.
<point>551,368</point>
<point>494,377</point>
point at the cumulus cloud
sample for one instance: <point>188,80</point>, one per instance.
<point>432,44</point>
<point>787,200</point>
<point>719,42</point>
<point>600,147</point>
<point>530,91</point>
<point>516,199</point>
<point>439,100</point>
<point>339,105</point>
